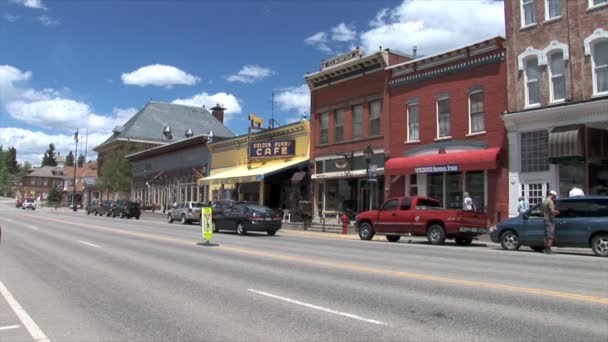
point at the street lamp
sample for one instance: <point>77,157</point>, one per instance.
<point>75,164</point>
<point>368,153</point>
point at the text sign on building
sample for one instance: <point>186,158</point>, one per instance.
<point>436,168</point>
<point>341,58</point>
<point>269,149</point>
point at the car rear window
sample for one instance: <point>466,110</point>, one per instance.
<point>197,205</point>
<point>260,209</point>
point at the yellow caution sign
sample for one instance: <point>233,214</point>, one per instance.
<point>207,223</point>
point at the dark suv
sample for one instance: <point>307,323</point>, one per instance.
<point>93,208</point>
<point>128,210</point>
<point>105,208</point>
<point>117,207</point>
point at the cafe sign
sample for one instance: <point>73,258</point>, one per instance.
<point>271,149</point>
<point>436,168</point>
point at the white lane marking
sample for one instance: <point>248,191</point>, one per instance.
<point>8,220</point>
<point>27,321</point>
<point>316,307</point>
<point>8,327</point>
<point>35,228</point>
<point>88,243</point>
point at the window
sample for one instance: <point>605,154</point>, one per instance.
<point>45,181</point>
<point>593,3</point>
<point>33,181</point>
<point>558,79</point>
<point>375,108</point>
<point>390,205</point>
<point>339,121</point>
<point>413,122</point>
<point>357,121</point>
<point>528,12</point>
<point>534,151</point>
<point>600,67</point>
<point>534,193</point>
<point>413,184</point>
<point>324,128</point>
<point>532,85</point>
<point>476,112</point>
<point>443,118</point>
<point>475,186</point>
<point>553,9</point>
<point>406,203</point>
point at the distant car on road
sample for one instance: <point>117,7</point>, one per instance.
<point>185,212</point>
<point>93,208</point>
<point>582,222</point>
<point>29,203</point>
<point>116,207</point>
<point>247,217</point>
<point>18,202</point>
<point>129,209</point>
<point>105,208</point>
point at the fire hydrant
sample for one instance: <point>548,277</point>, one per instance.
<point>345,220</point>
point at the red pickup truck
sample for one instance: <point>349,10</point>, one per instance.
<point>421,216</point>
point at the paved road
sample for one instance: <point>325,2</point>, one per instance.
<point>83,278</point>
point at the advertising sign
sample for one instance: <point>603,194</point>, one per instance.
<point>207,223</point>
<point>436,168</point>
<point>269,149</point>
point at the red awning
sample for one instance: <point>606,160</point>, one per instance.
<point>444,162</point>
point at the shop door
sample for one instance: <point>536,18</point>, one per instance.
<point>363,196</point>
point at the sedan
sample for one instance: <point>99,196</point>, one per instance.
<point>247,217</point>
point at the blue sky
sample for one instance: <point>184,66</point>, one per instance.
<point>93,64</point>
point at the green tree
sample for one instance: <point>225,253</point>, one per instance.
<point>49,156</point>
<point>81,160</point>
<point>115,173</point>
<point>69,159</point>
<point>10,157</point>
<point>54,196</point>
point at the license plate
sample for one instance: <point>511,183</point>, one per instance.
<point>268,219</point>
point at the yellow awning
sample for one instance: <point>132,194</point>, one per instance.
<point>241,174</point>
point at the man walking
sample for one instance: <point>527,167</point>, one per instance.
<point>549,212</point>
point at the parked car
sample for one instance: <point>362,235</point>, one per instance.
<point>220,205</point>
<point>18,202</point>
<point>29,203</point>
<point>93,208</point>
<point>105,208</point>
<point>116,207</point>
<point>129,209</point>
<point>244,217</point>
<point>582,222</point>
<point>421,216</point>
<point>185,212</point>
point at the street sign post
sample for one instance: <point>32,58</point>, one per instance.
<point>207,223</point>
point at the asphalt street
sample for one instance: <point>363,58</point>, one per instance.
<point>70,277</point>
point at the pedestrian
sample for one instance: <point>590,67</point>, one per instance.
<point>467,203</point>
<point>522,205</point>
<point>549,212</point>
<point>576,192</point>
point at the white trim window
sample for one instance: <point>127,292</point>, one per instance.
<point>534,151</point>
<point>357,121</point>
<point>413,122</point>
<point>324,128</point>
<point>557,77</point>
<point>443,117</point>
<point>600,67</point>
<point>594,3</point>
<point>532,88</point>
<point>534,193</point>
<point>476,112</point>
<point>339,122</point>
<point>375,109</point>
<point>553,9</point>
<point>528,12</point>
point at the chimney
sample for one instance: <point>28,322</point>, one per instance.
<point>218,112</point>
<point>415,51</point>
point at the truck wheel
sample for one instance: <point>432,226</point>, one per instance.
<point>184,220</point>
<point>436,235</point>
<point>393,238</point>
<point>463,241</point>
<point>510,241</point>
<point>169,218</point>
<point>599,245</point>
<point>366,232</point>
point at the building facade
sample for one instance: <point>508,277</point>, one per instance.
<point>446,135</point>
<point>38,183</point>
<point>86,180</point>
<point>557,76</point>
<point>349,125</point>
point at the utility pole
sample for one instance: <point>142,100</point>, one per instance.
<point>75,165</point>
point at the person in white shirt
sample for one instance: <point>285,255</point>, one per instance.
<point>576,192</point>
<point>522,205</point>
<point>467,203</point>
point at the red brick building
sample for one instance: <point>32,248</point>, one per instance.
<point>349,113</point>
<point>39,182</point>
<point>446,135</point>
<point>557,120</point>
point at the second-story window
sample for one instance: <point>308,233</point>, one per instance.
<point>357,121</point>
<point>553,9</point>
<point>339,122</point>
<point>45,181</point>
<point>33,181</point>
<point>593,3</point>
<point>476,112</point>
<point>558,79</point>
<point>600,67</point>
<point>324,128</point>
<point>375,109</point>
<point>413,122</point>
<point>532,85</point>
<point>443,118</point>
<point>528,12</point>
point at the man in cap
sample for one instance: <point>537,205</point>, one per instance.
<point>549,212</point>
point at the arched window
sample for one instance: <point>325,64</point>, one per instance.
<point>557,77</point>
<point>596,46</point>
<point>531,76</point>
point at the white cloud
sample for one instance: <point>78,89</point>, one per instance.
<point>11,18</point>
<point>8,76</point>
<point>294,99</point>
<point>343,33</point>
<point>36,4</point>
<point>158,75</point>
<point>229,101</point>
<point>250,74</point>
<point>319,41</point>
<point>434,26</point>
<point>48,21</point>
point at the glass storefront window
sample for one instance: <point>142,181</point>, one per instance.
<point>476,188</point>
<point>571,173</point>
<point>331,195</point>
<point>413,185</point>
<point>435,186</point>
<point>454,190</point>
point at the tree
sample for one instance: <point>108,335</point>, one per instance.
<point>49,156</point>
<point>81,160</point>
<point>10,157</point>
<point>54,196</point>
<point>69,159</point>
<point>115,173</point>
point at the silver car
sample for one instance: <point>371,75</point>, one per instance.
<point>185,212</point>
<point>29,203</point>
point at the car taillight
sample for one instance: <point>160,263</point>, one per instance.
<point>255,218</point>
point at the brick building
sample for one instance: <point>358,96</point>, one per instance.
<point>446,135</point>
<point>86,180</point>
<point>39,182</point>
<point>557,120</point>
<point>349,113</point>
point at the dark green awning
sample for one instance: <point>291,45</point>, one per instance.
<point>566,143</point>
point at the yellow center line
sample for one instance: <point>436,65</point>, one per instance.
<point>349,267</point>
